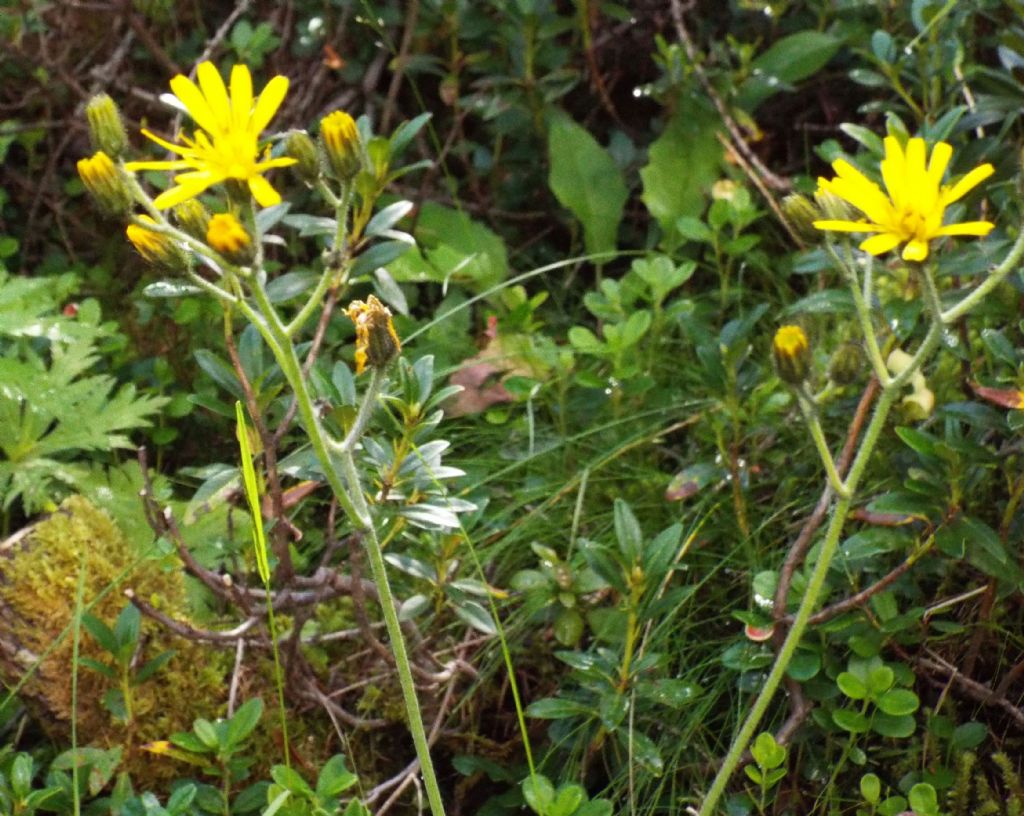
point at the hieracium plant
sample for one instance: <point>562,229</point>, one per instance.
<point>906,213</point>
<point>217,246</point>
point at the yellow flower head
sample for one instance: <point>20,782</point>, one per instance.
<point>227,235</point>
<point>158,747</point>
<point>227,146</point>
<point>792,354</point>
<point>913,211</point>
<point>377,342</point>
<point>156,248</point>
<point>103,180</point>
<point>340,139</point>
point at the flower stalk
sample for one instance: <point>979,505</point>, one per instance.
<point>912,216</point>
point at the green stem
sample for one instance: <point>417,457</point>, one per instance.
<point>331,277</point>
<point>387,604</point>
<point>352,501</point>
<point>363,415</point>
<point>810,600</point>
<point>814,426</point>
<point>996,277</point>
<point>861,305</point>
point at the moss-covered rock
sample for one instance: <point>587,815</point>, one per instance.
<point>39,572</point>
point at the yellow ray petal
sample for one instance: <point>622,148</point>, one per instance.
<point>268,103</point>
<point>939,161</point>
<point>865,195</point>
<point>241,96</point>
<point>216,95</point>
<point>263,192</point>
<point>894,171</point>
<point>915,250</point>
<point>176,164</point>
<point>183,150</point>
<point>176,195</point>
<point>967,183</point>
<point>967,228</point>
<point>894,150</point>
<point>915,172</point>
<point>190,96</point>
<point>877,244</point>
<point>848,226</point>
<point>283,161</point>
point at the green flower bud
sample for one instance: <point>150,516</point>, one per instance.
<point>833,208</point>
<point>300,147</point>
<point>193,218</point>
<point>792,354</point>
<point>845,364</point>
<point>801,215</point>
<point>106,184</point>
<point>106,130</point>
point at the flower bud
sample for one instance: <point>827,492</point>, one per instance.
<point>106,130</point>
<point>160,250</point>
<point>845,364</point>
<point>801,215</point>
<point>832,207</point>
<point>339,139</point>
<point>105,183</point>
<point>792,354</point>
<point>300,147</point>
<point>377,343</point>
<point>227,235</point>
<point>193,218</point>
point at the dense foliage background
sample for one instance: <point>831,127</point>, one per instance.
<point>601,258</point>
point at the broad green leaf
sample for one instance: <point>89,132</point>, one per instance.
<point>539,793</point>
<point>587,182</point>
<point>789,60</point>
<point>245,719</point>
<point>682,164</point>
<point>898,702</point>
<point>849,720</point>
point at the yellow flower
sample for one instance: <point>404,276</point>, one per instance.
<point>226,235</point>
<point>227,146</point>
<point>377,342</point>
<point>103,180</point>
<point>914,208</point>
<point>156,248</point>
<point>792,354</point>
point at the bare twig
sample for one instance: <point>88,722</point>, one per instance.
<point>190,632</point>
<point>735,133</point>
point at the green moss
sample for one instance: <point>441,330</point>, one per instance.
<point>38,579</point>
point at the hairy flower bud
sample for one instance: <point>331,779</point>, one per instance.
<point>792,354</point>
<point>377,343</point>
<point>158,249</point>
<point>801,215</point>
<point>300,147</point>
<point>193,218</point>
<point>227,235</point>
<point>845,364</point>
<point>106,130</point>
<point>339,139</point>
<point>105,183</point>
<point>832,207</point>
